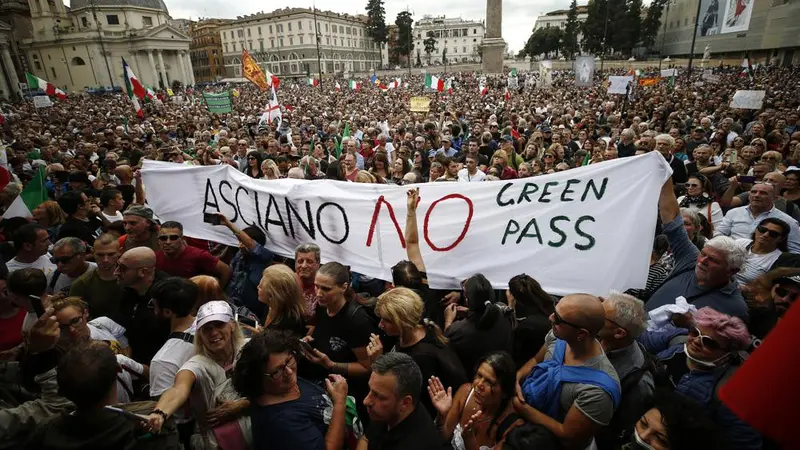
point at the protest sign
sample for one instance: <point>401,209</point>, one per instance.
<point>709,76</point>
<point>42,101</point>
<point>420,104</point>
<point>649,81</point>
<point>218,103</point>
<point>584,71</point>
<point>619,85</point>
<point>748,99</point>
<point>586,230</point>
<point>666,73</point>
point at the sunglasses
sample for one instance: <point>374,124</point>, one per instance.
<point>61,259</point>
<point>772,233</point>
<point>691,185</point>
<point>168,237</point>
<point>560,321</point>
<point>706,341</point>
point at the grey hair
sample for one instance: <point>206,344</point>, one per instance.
<point>693,215</point>
<point>627,132</point>
<point>735,254</point>
<point>405,371</point>
<point>76,245</point>
<point>308,248</point>
<point>297,173</point>
<point>628,312</point>
<point>665,137</point>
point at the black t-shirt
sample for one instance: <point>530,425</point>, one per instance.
<point>433,306</point>
<point>297,424</point>
<point>87,230</point>
<point>416,432</point>
<point>296,327</point>
<point>471,343</point>
<point>529,337</point>
<point>146,333</point>
<point>435,359</point>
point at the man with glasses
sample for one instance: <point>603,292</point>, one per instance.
<point>136,273</point>
<point>241,154</point>
<point>574,360</point>
<point>178,259</point>
<point>69,256</point>
<point>625,320</point>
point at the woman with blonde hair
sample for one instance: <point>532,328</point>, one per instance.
<point>50,216</point>
<point>500,158</point>
<point>208,289</point>
<point>363,176</point>
<point>279,290</point>
<point>401,314</point>
<point>270,170</point>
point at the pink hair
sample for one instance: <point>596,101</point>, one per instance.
<point>731,328</point>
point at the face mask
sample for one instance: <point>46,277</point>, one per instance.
<point>708,364</point>
<point>637,443</point>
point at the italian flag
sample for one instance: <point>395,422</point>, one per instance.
<point>482,88</point>
<point>448,85</point>
<point>434,82</point>
<point>312,82</point>
<point>338,87</point>
<point>32,195</point>
<point>134,88</point>
<point>35,82</point>
<point>353,84</point>
<point>507,95</point>
<point>395,84</point>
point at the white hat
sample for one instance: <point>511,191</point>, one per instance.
<point>214,311</point>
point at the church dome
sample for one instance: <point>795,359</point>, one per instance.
<point>152,4</point>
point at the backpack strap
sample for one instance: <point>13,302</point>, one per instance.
<point>503,427</point>
<point>186,337</point>
<point>53,281</point>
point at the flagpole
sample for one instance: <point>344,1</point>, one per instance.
<point>694,39</point>
<point>317,38</point>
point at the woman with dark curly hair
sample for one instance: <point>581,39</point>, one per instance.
<point>287,411</point>
<point>674,423</point>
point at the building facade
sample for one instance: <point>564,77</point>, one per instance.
<point>83,47</point>
<point>768,31</point>
<point>558,18</point>
<point>206,50</point>
<point>16,14</point>
<point>458,40</point>
<point>283,42</point>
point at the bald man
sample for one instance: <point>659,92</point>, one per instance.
<point>570,386</point>
<point>136,274</point>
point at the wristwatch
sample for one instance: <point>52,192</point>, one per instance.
<point>160,413</point>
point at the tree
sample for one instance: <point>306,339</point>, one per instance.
<point>376,24</point>
<point>405,44</point>
<point>627,27</point>
<point>430,45</point>
<point>651,23</point>
<point>544,41</point>
<point>571,31</point>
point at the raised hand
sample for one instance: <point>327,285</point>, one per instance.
<point>374,348</point>
<point>441,399</point>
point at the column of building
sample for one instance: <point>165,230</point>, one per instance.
<point>13,80</point>
<point>153,67</point>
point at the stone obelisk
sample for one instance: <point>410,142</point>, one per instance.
<point>493,43</point>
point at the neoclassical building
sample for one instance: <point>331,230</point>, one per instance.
<point>83,46</point>
<point>283,42</point>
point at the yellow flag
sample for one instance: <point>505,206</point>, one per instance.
<point>235,92</point>
<point>169,92</point>
<point>252,71</point>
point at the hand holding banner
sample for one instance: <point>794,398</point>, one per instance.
<point>565,229</point>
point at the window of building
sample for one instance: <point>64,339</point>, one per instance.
<point>474,31</point>
<point>84,21</point>
<point>53,69</point>
<point>226,48</point>
<point>464,49</point>
<point>327,41</point>
<point>299,25</point>
<point>147,21</point>
<point>259,31</point>
<point>280,41</point>
<point>290,26</point>
<point>76,61</point>
<point>291,41</point>
<point>270,29</point>
<point>685,21</point>
<point>326,27</point>
<point>112,19</point>
<point>240,33</point>
<point>301,40</point>
<point>261,46</point>
<point>248,33</point>
<point>341,29</point>
<point>234,46</point>
<point>272,43</point>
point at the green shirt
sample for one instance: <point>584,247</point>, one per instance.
<point>102,296</point>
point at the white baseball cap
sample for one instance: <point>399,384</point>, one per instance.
<point>214,311</point>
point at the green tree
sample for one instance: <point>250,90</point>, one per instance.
<point>544,41</point>
<point>376,24</point>
<point>405,44</point>
<point>594,26</point>
<point>627,27</point>
<point>571,29</point>
<point>430,45</point>
<point>651,23</point>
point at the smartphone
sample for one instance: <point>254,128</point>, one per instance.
<point>746,179</point>
<point>733,158</point>
<point>306,347</point>
<point>246,321</point>
<point>213,219</point>
<point>36,303</point>
<point>126,414</point>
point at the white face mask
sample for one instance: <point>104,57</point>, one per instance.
<point>709,364</point>
<point>638,443</point>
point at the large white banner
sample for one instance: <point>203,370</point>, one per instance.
<point>584,230</point>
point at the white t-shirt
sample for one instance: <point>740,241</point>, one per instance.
<point>755,265</point>
<point>167,361</point>
<point>125,378</point>
<point>112,219</point>
<point>42,263</point>
<point>64,281</point>
<point>208,375</point>
<point>463,175</point>
<point>105,329</point>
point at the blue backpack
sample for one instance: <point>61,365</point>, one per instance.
<point>542,388</point>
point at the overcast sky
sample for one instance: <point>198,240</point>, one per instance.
<point>518,15</point>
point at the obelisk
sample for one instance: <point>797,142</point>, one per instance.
<point>493,43</point>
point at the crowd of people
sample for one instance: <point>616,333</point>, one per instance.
<point>119,331</point>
